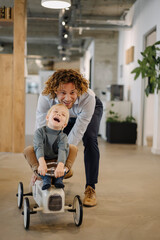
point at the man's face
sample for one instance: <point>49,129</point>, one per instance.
<point>67,94</point>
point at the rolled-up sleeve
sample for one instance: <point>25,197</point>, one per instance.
<point>84,115</point>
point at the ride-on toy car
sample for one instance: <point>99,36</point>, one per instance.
<point>48,201</point>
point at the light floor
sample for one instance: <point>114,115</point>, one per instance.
<point>128,195</point>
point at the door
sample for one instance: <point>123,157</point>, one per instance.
<point>148,120</point>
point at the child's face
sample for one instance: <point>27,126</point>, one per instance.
<point>57,118</point>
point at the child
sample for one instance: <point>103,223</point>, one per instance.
<point>51,143</point>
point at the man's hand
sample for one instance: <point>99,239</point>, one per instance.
<point>42,169</point>
<point>59,172</point>
<point>33,179</point>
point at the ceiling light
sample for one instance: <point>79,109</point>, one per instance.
<point>65,35</point>
<point>57,4</point>
<point>64,58</point>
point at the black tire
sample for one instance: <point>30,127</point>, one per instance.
<point>78,210</point>
<point>20,195</point>
<point>26,213</point>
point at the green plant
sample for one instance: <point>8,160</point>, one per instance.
<point>112,116</point>
<point>115,117</point>
<point>149,67</point>
<point>130,119</point>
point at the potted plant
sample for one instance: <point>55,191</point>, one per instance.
<point>120,131</point>
<point>149,68</point>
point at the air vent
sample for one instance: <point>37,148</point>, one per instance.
<point>55,202</point>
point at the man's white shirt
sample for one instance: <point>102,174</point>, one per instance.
<point>82,110</point>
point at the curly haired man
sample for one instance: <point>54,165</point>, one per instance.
<point>71,88</point>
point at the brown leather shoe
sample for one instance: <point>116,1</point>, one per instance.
<point>69,174</point>
<point>90,197</point>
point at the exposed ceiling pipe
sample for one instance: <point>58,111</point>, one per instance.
<point>107,23</point>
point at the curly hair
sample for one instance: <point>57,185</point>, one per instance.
<point>63,76</point>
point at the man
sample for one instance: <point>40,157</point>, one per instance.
<point>71,88</point>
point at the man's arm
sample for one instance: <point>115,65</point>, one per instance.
<point>86,110</point>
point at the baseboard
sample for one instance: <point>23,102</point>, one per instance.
<point>155,150</point>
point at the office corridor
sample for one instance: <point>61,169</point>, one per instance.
<point>128,196</point>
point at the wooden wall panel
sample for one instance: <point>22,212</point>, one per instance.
<point>6,106</point>
<point>18,75</point>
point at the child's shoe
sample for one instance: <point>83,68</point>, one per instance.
<point>46,182</point>
<point>58,182</point>
<point>46,186</point>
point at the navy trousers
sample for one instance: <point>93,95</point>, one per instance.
<point>90,142</point>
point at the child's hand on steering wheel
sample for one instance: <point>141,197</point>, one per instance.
<point>59,172</point>
<point>42,169</point>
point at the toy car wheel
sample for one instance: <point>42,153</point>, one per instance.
<point>26,213</point>
<point>20,195</point>
<point>78,211</point>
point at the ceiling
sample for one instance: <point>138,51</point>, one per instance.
<point>86,20</point>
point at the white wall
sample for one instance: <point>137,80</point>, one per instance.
<point>156,135</point>
<point>30,113</point>
<point>146,17</point>
<point>85,63</point>
<point>105,71</point>
<point>103,51</point>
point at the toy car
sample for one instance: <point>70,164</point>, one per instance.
<point>50,201</point>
